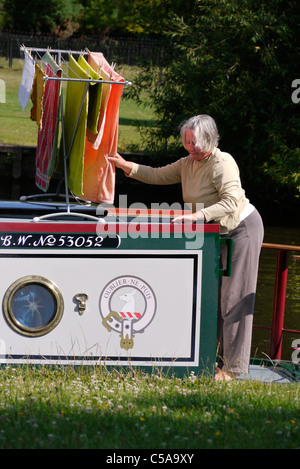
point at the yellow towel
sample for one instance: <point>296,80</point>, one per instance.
<point>37,93</point>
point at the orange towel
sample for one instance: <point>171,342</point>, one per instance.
<point>99,173</point>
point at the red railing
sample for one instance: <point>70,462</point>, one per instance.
<point>277,328</point>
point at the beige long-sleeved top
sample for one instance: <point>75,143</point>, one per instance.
<point>214,182</point>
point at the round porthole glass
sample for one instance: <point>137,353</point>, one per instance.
<point>33,306</point>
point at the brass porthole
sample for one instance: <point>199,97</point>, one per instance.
<point>33,306</point>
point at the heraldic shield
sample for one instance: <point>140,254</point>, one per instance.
<point>127,305</point>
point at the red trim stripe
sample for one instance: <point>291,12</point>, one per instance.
<point>60,227</point>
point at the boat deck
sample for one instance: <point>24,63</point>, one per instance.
<point>282,372</point>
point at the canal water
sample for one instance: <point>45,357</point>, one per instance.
<point>265,293</point>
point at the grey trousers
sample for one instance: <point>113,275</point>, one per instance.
<point>237,295</point>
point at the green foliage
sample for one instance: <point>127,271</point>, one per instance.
<point>133,17</point>
<point>235,60</point>
<point>37,16</point>
<point>284,167</point>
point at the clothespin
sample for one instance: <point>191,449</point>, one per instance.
<point>23,49</point>
<point>28,52</point>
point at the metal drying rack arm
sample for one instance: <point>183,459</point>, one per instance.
<point>89,80</point>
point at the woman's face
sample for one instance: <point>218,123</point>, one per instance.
<point>190,145</point>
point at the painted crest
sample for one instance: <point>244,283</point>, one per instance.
<point>127,305</point>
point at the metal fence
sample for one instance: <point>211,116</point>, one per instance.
<point>127,51</point>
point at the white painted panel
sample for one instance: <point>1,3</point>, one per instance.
<point>167,297</point>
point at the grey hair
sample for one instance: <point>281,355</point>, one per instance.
<point>205,130</point>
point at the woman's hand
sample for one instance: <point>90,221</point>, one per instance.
<point>121,163</point>
<point>189,217</point>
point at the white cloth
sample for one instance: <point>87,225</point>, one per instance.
<point>26,81</point>
<point>2,92</point>
<point>247,210</point>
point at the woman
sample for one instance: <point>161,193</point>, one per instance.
<point>211,177</point>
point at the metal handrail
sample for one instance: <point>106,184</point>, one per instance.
<point>277,328</point>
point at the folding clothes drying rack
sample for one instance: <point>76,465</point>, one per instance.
<point>59,52</point>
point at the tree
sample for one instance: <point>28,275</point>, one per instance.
<point>37,16</point>
<point>235,60</point>
<point>129,17</point>
<point>99,17</point>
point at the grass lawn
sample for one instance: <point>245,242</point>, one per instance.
<point>92,408</point>
<point>16,127</point>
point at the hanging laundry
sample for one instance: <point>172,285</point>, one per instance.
<point>75,126</point>
<point>99,173</point>
<point>47,142</point>
<point>26,80</point>
<point>37,93</point>
<point>95,139</point>
<point>113,97</point>
<point>48,59</point>
<point>95,93</point>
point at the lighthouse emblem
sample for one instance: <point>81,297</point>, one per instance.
<point>127,305</point>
